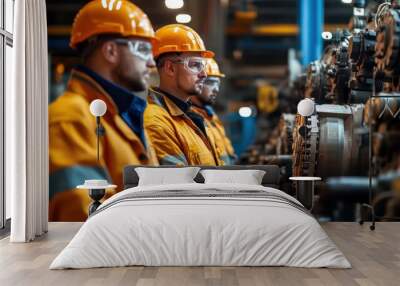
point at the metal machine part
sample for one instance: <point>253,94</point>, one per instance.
<point>316,82</point>
<point>362,55</point>
<point>330,142</point>
<point>387,47</point>
<point>285,140</point>
<point>382,108</point>
<point>340,72</point>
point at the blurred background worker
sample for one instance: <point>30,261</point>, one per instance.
<point>178,134</point>
<point>116,47</point>
<point>202,104</point>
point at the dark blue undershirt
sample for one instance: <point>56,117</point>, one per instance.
<point>185,107</point>
<point>208,108</point>
<point>130,106</point>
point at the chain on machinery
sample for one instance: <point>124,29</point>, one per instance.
<point>305,145</point>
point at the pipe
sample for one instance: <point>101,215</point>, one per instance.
<point>311,21</point>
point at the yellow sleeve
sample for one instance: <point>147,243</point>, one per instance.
<point>227,141</point>
<point>73,159</point>
<point>164,140</point>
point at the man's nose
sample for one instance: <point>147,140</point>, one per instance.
<point>151,63</point>
<point>202,74</point>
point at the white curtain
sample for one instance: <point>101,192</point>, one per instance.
<point>27,123</point>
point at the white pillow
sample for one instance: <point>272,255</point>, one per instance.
<point>164,176</point>
<point>248,177</point>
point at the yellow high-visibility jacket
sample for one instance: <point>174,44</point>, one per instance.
<point>218,136</point>
<point>73,147</point>
<point>176,139</point>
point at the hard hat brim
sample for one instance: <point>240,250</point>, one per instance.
<point>207,54</point>
<point>153,40</point>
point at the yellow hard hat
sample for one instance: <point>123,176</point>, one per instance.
<point>213,69</point>
<point>111,17</point>
<point>179,38</point>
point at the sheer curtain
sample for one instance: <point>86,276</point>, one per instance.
<point>27,123</point>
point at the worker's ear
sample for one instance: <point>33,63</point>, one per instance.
<point>111,52</point>
<point>169,68</point>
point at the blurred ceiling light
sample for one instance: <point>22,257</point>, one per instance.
<point>174,4</point>
<point>347,1</point>
<point>237,54</point>
<point>245,111</point>
<point>60,68</point>
<point>224,3</point>
<point>183,18</point>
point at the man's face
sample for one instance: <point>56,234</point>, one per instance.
<point>210,90</point>
<point>133,69</point>
<point>190,73</point>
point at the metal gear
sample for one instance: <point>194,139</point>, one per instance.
<point>305,145</point>
<point>333,132</point>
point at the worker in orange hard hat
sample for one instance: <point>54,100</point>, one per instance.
<point>202,104</point>
<point>179,135</point>
<point>115,40</point>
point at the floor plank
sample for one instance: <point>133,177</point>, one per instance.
<point>375,257</point>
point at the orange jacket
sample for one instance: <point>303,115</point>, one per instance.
<point>176,139</point>
<point>73,147</point>
<point>218,136</point>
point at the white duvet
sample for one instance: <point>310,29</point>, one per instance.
<point>202,231</point>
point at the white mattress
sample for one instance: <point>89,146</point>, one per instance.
<point>201,231</point>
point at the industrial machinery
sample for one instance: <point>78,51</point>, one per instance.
<point>340,83</point>
<point>354,131</point>
<point>382,112</point>
<point>363,83</point>
<point>333,143</point>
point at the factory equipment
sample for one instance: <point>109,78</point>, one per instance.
<point>334,141</point>
<point>382,112</point>
<point>356,88</point>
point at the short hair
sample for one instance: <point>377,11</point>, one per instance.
<point>160,60</point>
<point>86,48</point>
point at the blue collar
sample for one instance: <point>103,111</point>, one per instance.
<point>130,106</point>
<point>183,105</point>
<point>122,97</point>
<point>208,108</point>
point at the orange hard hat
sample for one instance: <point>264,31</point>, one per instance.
<point>213,69</point>
<point>179,38</point>
<point>111,17</point>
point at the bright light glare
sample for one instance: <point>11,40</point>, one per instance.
<point>327,35</point>
<point>245,111</point>
<point>174,4</point>
<point>347,1</point>
<point>306,107</point>
<point>183,18</point>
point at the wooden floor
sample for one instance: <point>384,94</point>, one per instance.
<point>375,257</point>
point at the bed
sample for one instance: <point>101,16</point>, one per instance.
<point>198,224</point>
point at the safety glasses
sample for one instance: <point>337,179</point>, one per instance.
<point>212,83</point>
<point>194,65</point>
<point>141,49</point>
